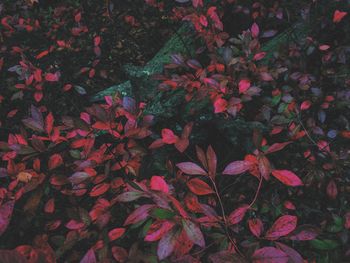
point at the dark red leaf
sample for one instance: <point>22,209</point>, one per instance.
<point>282,227</point>
<point>212,161</point>
<point>55,161</point>
<point>256,226</point>
<point>6,210</point>
<point>199,187</point>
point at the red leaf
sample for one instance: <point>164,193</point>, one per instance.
<point>52,77</point>
<point>212,161</point>
<point>255,30</point>
<point>158,229</point>
<point>138,214</point>
<point>6,210</point>
<point>99,189</point>
<point>293,254</point>
<point>305,105</point>
<point>237,167</point>
<point>55,161</point>
<point>97,41</point>
<point>198,187</point>
<point>116,233</point>
<point>276,147</point>
<point>256,226</point>
<point>237,215</point>
<point>269,255</point>
<point>282,227</point>
<point>89,257</point>
<point>191,168</point>
<point>287,177</point>
<point>166,245</point>
<point>159,184</point>
<point>168,136</point>
<point>38,95</point>
<point>42,54</point>
<point>193,232</point>
<point>49,123</point>
<point>50,206</point>
<point>220,105</point>
<point>338,16</point>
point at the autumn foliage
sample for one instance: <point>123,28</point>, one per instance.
<point>253,167</point>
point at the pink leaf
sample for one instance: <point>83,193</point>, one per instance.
<point>259,56</point>
<point>237,167</point>
<point>255,30</point>
<point>347,220</point>
<point>269,255</point>
<point>244,85</point>
<point>191,168</point>
<point>159,184</point>
<point>237,215</point>
<point>282,227</point>
<point>89,257</point>
<point>287,177</point>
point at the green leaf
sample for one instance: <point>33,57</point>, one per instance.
<point>325,244</point>
<point>162,213</point>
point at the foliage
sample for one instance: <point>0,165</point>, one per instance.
<point>242,156</point>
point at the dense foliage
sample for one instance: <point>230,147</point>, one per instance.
<point>241,156</point>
